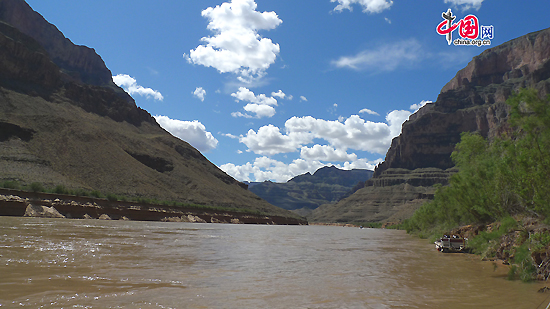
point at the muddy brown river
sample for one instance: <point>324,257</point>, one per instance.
<point>59,263</point>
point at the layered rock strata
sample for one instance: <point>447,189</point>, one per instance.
<point>392,196</point>
<point>473,101</point>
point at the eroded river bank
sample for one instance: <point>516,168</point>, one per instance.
<point>34,204</point>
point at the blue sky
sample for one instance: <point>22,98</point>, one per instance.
<point>270,89</point>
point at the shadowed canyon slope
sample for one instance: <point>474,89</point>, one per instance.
<point>473,101</point>
<point>64,122</point>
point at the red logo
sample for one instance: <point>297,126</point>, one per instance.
<point>468,29</point>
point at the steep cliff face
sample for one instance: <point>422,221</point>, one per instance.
<point>24,63</point>
<point>63,122</point>
<point>38,60</point>
<point>473,101</point>
<point>79,63</point>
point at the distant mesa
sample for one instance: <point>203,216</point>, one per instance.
<point>304,193</point>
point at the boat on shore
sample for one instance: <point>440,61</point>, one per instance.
<point>454,243</point>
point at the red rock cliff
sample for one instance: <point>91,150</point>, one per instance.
<point>473,101</point>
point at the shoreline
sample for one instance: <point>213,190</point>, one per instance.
<point>17,203</point>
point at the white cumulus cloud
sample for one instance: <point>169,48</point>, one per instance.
<point>351,133</point>
<point>260,110</point>
<point>387,57</point>
<point>244,94</point>
<point>264,168</point>
<point>236,46</point>
<point>199,93</point>
<point>326,153</point>
<point>319,143</point>
<point>129,84</point>
<point>466,4</point>
<point>354,132</point>
<point>192,132</point>
<point>279,94</point>
<point>395,120</point>
<point>261,105</point>
<point>270,141</point>
<point>416,107</point>
<point>368,111</point>
<point>369,6</point>
<point>360,164</point>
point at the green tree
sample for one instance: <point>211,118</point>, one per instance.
<point>495,180</point>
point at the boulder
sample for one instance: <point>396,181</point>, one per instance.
<point>104,217</point>
<point>42,212</point>
<point>195,219</point>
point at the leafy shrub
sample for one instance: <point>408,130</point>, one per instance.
<point>486,243</point>
<point>60,189</point>
<point>11,184</point>
<point>96,194</point>
<point>37,187</point>
<point>540,241</point>
<point>522,258</point>
<point>112,197</point>
<point>81,192</point>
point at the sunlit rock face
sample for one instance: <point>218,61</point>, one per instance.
<point>473,101</point>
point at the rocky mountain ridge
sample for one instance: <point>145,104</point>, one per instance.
<point>306,192</point>
<point>473,101</point>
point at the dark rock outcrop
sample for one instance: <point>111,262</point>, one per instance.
<point>10,130</point>
<point>473,101</point>
<point>78,63</point>
<point>24,64</point>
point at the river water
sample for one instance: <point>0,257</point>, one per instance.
<point>60,263</point>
